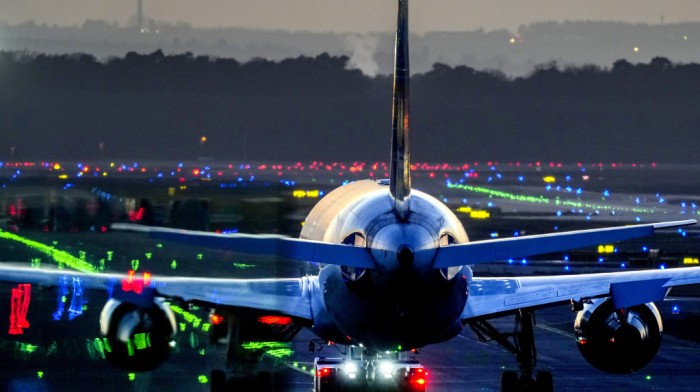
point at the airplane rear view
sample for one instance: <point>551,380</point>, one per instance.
<point>394,277</point>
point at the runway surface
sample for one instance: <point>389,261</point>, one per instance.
<point>62,355</point>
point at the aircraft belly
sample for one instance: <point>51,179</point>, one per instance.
<point>381,322</point>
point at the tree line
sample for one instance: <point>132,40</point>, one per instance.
<point>157,106</point>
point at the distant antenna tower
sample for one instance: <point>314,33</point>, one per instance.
<point>139,15</point>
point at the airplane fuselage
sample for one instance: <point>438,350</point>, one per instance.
<point>404,301</point>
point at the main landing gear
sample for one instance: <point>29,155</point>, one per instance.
<point>520,342</point>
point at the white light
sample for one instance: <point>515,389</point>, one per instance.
<point>350,368</point>
<point>386,368</point>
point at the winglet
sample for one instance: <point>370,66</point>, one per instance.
<point>400,179</point>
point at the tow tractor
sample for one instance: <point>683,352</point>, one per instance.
<point>362,369</point>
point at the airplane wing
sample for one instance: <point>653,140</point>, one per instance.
<point>287,247</point>
<point>517,247</point>
<point>497,295</point>
<point>288,296</point>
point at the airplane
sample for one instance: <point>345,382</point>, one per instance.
<point>394,277</point>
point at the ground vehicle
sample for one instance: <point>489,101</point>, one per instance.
<point>360,369</point>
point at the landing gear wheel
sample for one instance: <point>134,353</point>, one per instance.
<point>217,381</point>
<point>520,342</point>
<point>327,388</point>
<point>544,382</point>
<point>509,381</point>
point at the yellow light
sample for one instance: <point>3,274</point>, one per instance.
<point>104,174</point>
<point>512,40</point>
<point>63,176</point>
<point>203,139</point>
<point>171,191</point>
<point>477,214</point>
<point>465,210</point>
<point>690,261</point>
<point>312,193</point>
<point>606,249</point>
<point>549,179</point>
<point>299,193</point>
<point>57,167</point>
<point>636,49</point>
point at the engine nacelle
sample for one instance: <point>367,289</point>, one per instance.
<point>618,340</point>
<point>139,338</point>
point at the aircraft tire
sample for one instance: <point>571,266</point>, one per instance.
<point>217,381</point>
<point>509,381</point>
<point>544,382</point>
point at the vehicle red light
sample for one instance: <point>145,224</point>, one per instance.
<point>269,320</point>
<point>216,319</point>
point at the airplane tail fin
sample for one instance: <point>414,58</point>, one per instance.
<point>400,179</point>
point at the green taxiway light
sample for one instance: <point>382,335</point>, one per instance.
<point>173,265</point>
<point>135,264</point>
<point>189,317</point>
<point>108,348</point>
<point>243,266</point>
<point>262,345</point>
<point>132,376</point>
<point>27,348</point>
<point>280,352</point>
<point>61,257</point>
<point>40,374</point>
<point>148,256</point>
<point>140,341</point>
<point>504,195</point>
<point>203,379</point>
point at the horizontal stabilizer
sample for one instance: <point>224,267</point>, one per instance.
<point>273,245</point>
<point>518,247</point>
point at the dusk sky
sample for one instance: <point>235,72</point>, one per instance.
<point>351,15</point>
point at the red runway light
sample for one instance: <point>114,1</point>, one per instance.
<point>216,319</point>
<point>20,305</point>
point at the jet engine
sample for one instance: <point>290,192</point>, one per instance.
<point>618,340</point>
<point>138,337</point>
